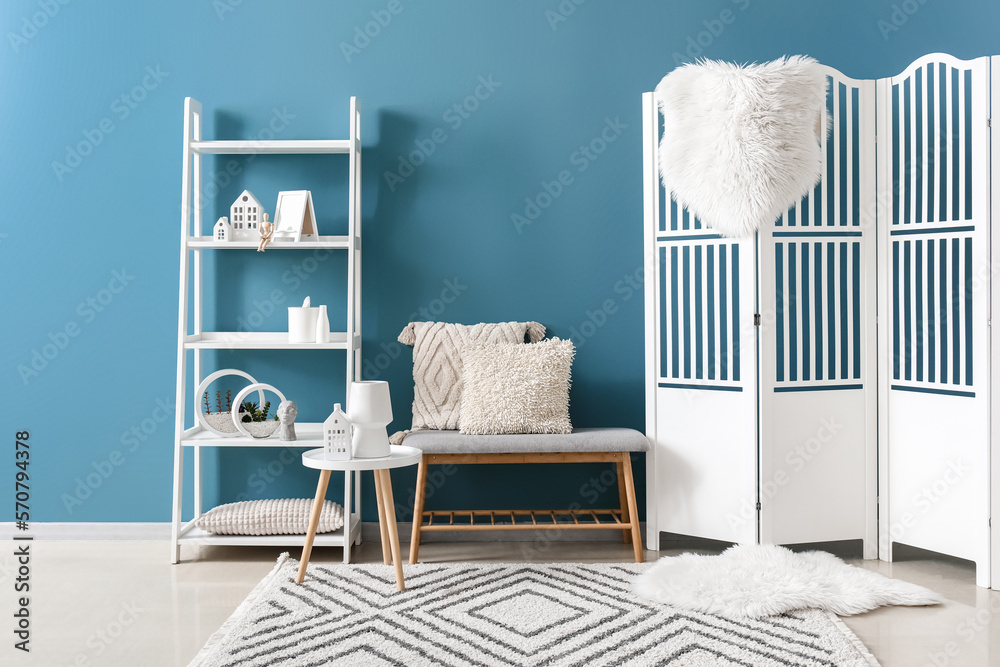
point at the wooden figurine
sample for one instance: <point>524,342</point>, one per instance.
<point>266,232</point>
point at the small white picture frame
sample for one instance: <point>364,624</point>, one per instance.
<point>295,217</point>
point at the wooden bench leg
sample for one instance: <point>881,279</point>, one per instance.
<point>632,510</point>
<point>418,510</point>
<point>623,502</point>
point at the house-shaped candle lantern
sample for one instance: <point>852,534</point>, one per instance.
<point>337,435</point>
<point>222,231</point>
<point>244,216</point>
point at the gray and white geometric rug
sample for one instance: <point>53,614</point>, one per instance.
<point>503,614</point>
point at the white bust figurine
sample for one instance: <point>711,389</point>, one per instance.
<point>287,412</point>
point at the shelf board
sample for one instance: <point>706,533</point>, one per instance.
<point>195,535</point>
<point>308,434</point>
<point>336,242</point>
<point>258,340</point>
<point>276,147</point>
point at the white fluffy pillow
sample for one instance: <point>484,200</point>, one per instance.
<point>516,388</point>
<point>278,516</point>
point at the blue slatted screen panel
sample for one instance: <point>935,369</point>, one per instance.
<point>932,142</point>
<point>699,312</point>
<point>932,313</point>
<point>818,313</point>
<point>932,231</point>
<point>834,201</point>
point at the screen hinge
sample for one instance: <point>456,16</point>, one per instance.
<point>758,505</point>
<point>756,319</point>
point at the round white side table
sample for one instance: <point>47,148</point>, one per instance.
<point>399,457</point>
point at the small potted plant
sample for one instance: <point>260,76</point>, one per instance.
<point>255,419</point>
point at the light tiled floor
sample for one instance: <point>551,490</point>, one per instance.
<point>123,604</point>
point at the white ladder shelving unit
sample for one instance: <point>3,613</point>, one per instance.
<point>192,336</point>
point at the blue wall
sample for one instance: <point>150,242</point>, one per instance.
<point>92,125</point>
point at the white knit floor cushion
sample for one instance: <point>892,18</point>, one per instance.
<point>437,364</point>
<point>742,143</point>
<point>278,516</point>
<point>516,388</point>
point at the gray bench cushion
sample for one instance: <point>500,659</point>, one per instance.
<point>580,440</point>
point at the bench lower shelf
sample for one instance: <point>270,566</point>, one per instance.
<point>613,519</point>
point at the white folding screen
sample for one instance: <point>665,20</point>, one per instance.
<point>785,454</point>
<point>933,207</point>
<point>836,417</point>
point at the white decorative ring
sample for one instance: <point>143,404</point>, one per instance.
<point>260,387</point>
<point>203,387</point>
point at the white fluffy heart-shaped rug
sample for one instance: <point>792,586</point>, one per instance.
<point>742,143</point>
<point>753,581</point>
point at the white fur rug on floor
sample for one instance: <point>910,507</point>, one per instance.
<point>754,581</point>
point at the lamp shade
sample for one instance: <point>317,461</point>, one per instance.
<point>369,411</point>
<point>369,402</point>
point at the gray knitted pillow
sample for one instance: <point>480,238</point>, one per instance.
<point>277,516</point>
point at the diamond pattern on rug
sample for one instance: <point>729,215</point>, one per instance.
<point>527,614</point>
<point>513,614</point>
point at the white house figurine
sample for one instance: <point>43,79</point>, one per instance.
<point>245,215</point>
<point>337,435</point>
<point>223,231</point>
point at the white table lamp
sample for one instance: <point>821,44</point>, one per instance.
<point>369,411</point>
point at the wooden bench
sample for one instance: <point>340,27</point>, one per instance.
<point>584,445</point>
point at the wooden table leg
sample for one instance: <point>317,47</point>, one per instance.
<point>633,512</point>
<point>390,516</point>
<point>383,530</point>
<point>418,510</point>
<point>324,479</point>
<point>623,501</point>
